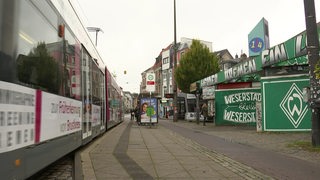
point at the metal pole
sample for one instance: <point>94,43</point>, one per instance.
<point>97,31</point>
<point>205,117</point>
<point>149,109</point>
<point>175,92</point>
<point>313,56</point>
<point>198,108</point>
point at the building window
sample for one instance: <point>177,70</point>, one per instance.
<point>165,60</point>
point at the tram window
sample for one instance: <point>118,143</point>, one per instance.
<point>44,60</point>
<point>191,105</point>
<point>97,80</point>
<point>36,65</point>
<point>46,11</point>
<point>181,105</point>
<point>35,31</point>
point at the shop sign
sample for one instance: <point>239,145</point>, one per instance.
<point>164,100</point>
<point>208,92</point>
<point>209,81</point>
<point>240,69</point>
<point>293,50</point>
<point>295,47</point>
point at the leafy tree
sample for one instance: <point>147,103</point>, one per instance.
<point>197,63</point>
<point>317,70</point>
<point>40,69</point>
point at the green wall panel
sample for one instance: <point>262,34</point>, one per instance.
<point>283,108</point>
<point>236,106</point>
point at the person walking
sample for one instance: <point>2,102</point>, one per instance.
<point>132,114</point>
<point>204,112</point>
<point>137,114</point>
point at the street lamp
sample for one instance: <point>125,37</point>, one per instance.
<point>175,92</point>
<point>95,29</point>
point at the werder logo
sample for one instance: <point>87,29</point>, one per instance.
<point>293,106</point>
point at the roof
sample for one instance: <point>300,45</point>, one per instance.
<point>223,52</point>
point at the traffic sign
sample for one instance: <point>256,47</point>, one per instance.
<point>150,82</point>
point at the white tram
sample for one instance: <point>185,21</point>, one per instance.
<point>56,93</point>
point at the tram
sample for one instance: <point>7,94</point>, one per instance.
<point>56,93</point>
<point>186,106</point>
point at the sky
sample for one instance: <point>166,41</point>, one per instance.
<point>135,31</point>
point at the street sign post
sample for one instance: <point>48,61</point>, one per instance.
<point>150,87</point>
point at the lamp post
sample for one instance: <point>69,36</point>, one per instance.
<point>95,29</point>
<point>175,92</point>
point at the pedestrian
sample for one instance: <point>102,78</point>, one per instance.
<point>204,112</point>
<point>132,114</point>
<point>137,114</point>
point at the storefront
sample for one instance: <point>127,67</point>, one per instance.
<point>273,100</point>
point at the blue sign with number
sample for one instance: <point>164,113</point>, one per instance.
<point>256,44</point>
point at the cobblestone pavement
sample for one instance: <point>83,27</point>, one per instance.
<point>243,171</point>
<point>130,151</point>
<point>157,153</point>
<point>281,142</point>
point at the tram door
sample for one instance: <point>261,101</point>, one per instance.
<point>86,84</point>
<point>181,107</point>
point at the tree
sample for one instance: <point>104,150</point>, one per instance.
<point>317,70</point>
<point>197,63</point>
<point>40,69</point>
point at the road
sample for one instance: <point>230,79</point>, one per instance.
<point>263,159</point>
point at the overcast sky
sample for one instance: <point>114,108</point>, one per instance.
<point>135,31</point>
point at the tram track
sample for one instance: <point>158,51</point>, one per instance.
<point>62,169</point>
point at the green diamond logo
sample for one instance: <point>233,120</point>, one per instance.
<point>293,106</point>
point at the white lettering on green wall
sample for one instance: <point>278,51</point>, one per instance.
<point>301,48</point>
<point>241,107</point>
<point>276,54</point>
<point>242,97</point>
<point>241,117</point>
<point>241,69</point>
<point>208,81</point>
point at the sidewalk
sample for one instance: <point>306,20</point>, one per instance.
<point>281,142</point>
<point>129,151</point>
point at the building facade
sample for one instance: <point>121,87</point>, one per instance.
<point>164,71</point>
